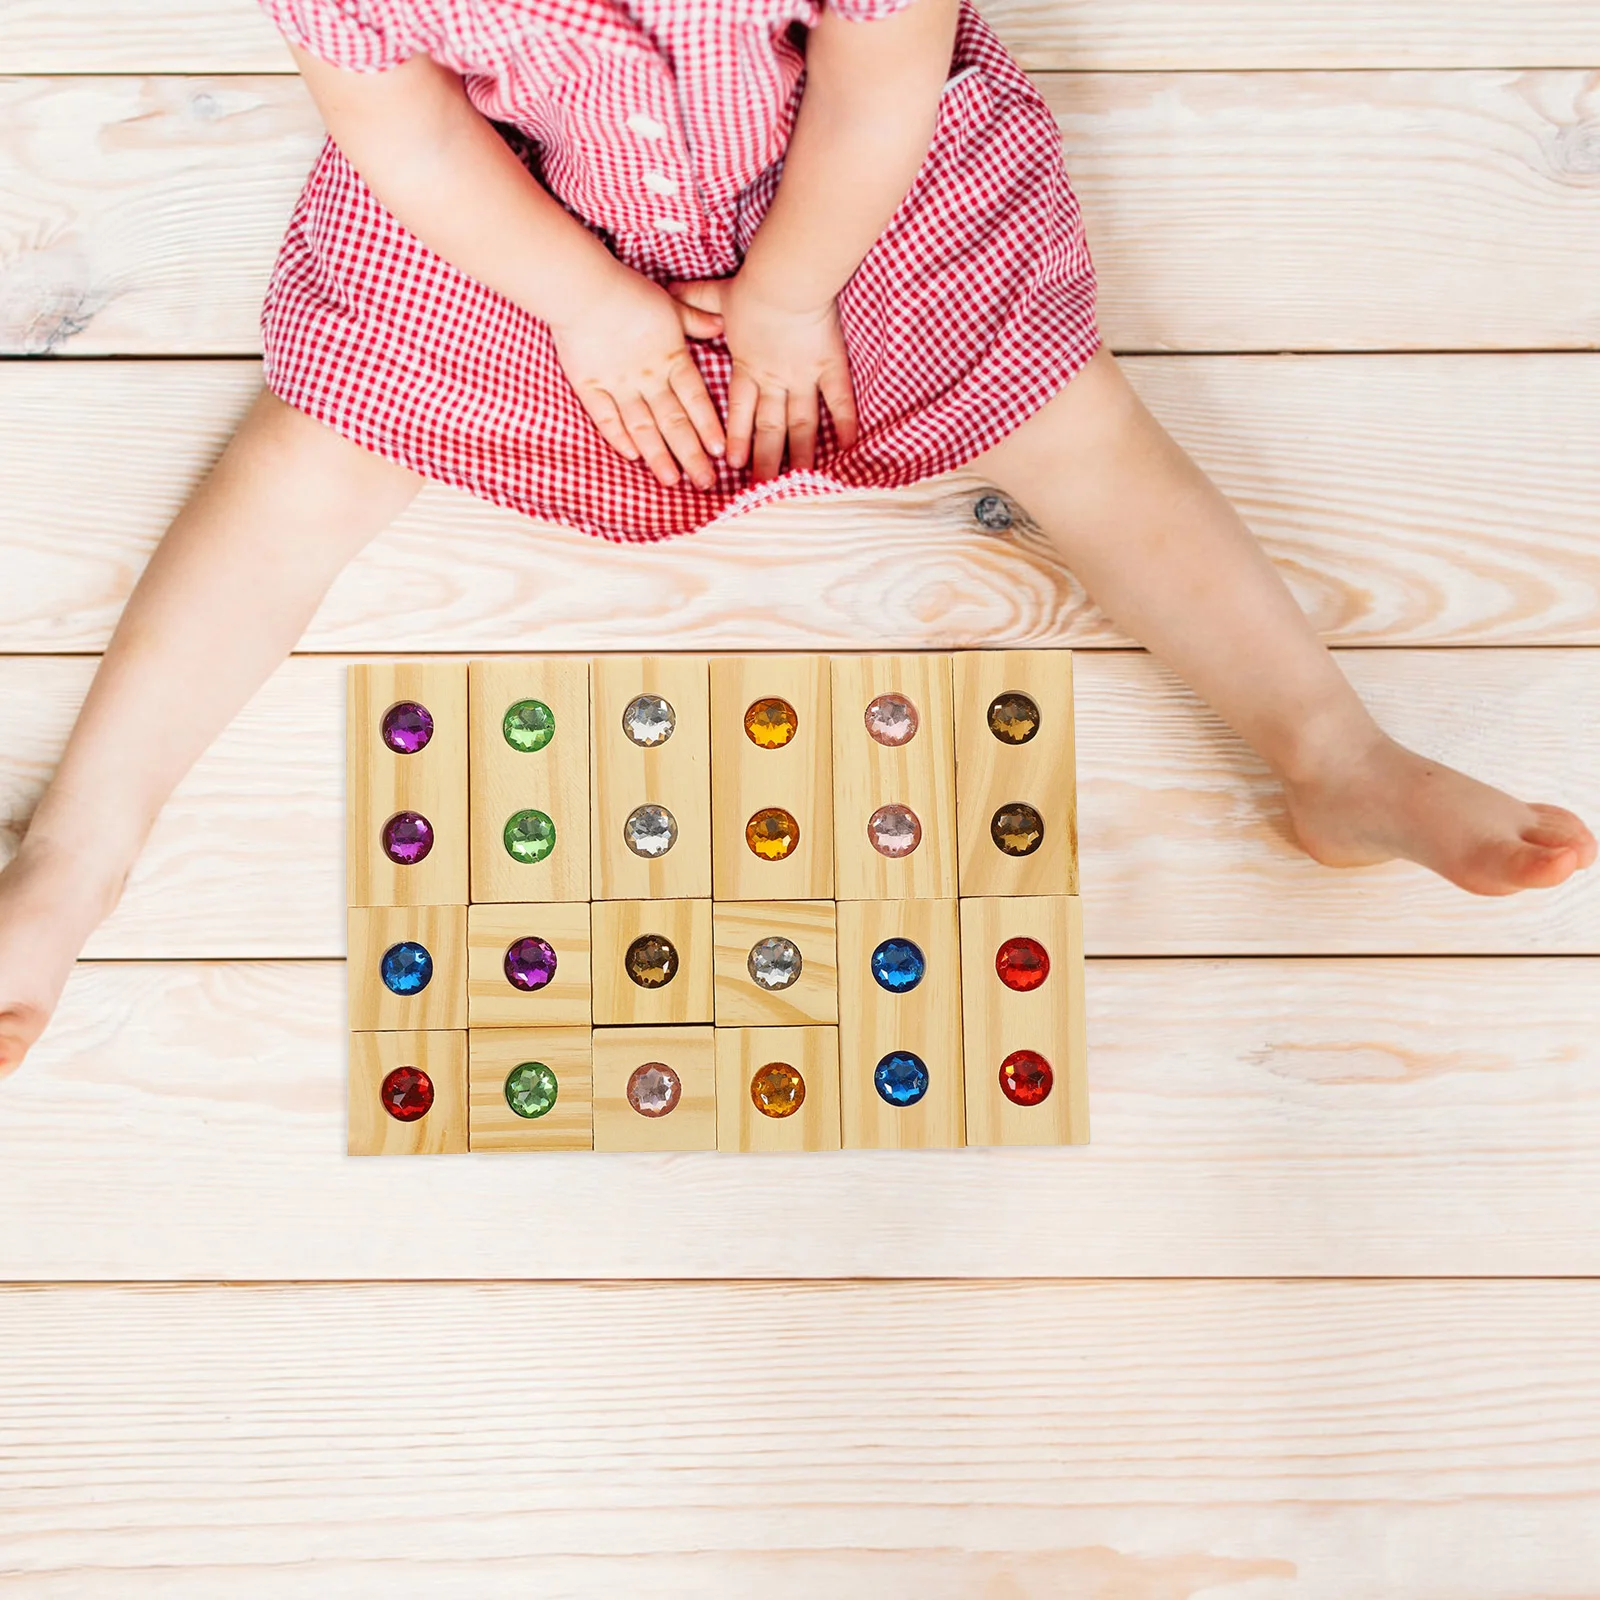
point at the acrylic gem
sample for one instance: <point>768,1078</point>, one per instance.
<point>1025,1077</point>
<point>651,961</point>
<point>901,1078</point>
<point>405,967</point>
<point>773,834</point>
<point>654,1089</point>
<point>649,720</point>
<point>529,836</point>
<point>777,1090</point>
<point>774,963</point>
<point>1022,964</point>
<point>529,725</point>
<point>407,838</point>
<point>407,726</point>
<point>1013,717</point>
<point>894,831</point>
<point>898,965</point>
<point>407,1093</point>
<point>892,720</point>
<point>531,1089</point>
<point>530,963</point>
<point>650,831</point>
<point>1017,829</point>
<point>771,723</point>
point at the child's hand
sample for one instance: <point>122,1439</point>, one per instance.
<point>783,361</point>
<point>624,354</point>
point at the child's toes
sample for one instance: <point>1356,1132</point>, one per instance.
<point>1560,829</point>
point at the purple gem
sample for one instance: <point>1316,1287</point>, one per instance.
<point>407,726</point>
<point>407,837</point>
<point>530,963</point>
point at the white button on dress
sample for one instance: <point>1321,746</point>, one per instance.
<point>660,183</point>
<point>671,225</point>
<point>646,126</point>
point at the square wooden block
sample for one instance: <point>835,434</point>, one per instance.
<point>690,1054</point>
<point>922,1020</point>
<point>442,1128</point>
<point>493,1000</point>
<point>673,774</point>
<point>495,1054</point>
<point>618,926</point>
<point>996,776</point>
<point>381,782</point>
<point>542,778</point>
<point>751,777</point>
<point>808,925</point>
<point>745,1053</point>
<point>441,931</point>
<point>1047,1019</point>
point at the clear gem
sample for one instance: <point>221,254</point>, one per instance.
<point>531,1089</point>
<point>1022,964</point>
<point>1013,717</point>
<point>650,831</point>
<point>772,833</point>
<point>778,1090</point>
<point>649,720</point>
<point>898,965</point>
<point>407,838</point>
<point>530,963</point>
<point>407,1093</point>
<point>530,836</point>
<point>654,1089</point>
<point>405,967</point>
<point>651,961</point>
<point>529,725</point>
<point>774,963</point>
<point>892,720</point>
<point>407,726</point>
<point>894,831</point>
<point>1017,829</point>
<point>900,1078</point>
<point>1025,1077</point>
<point>771,723</point>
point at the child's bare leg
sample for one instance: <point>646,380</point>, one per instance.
<point>224,598</point>
<point>1162,551</point>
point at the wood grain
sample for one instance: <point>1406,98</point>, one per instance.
<point>1227,211</point>
<point>861,1441</point>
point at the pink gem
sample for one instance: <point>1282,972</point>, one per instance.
<point>407,837</point>
<point>892,720</point>
<point>894,831</point>
<point>654,1089</point>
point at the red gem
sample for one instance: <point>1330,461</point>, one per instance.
<point>1025,1077</point>
<point>407,1093</point>
<point>1022,964</point>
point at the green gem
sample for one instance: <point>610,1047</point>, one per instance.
<point>531,1089</point>
<point>529,725</point>
<point>530,835</point>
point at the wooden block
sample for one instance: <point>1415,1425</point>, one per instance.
<point>441,1002</point>
<point>674,774</point>
<point>809,926</point>
<point>621,924</point>
<point>1048,1019</point>
<point>546,773</point>
<point>493,1001</point>
<point>690,1054</point>
<point>743,1054</point>
<point>750,778</point>
<point>442,1128</point>
<point>381,783</point>
<point>533,1055</point>
<point>923,1020</point>
<point>994,774</point>
<point>876,780</point>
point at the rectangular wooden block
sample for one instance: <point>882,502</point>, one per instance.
<point>494,1054</point>
<point>994,773</point>
<point>686,995</point>
<point>742,1053</point>
<point>442,1000</point>
<point>917,775</point>
<point>794,777</point>
<point>493,1001</point>
<point>673,774</point>
<point>550,780</point>
<point>381,782</point>
<point>924,1020</point>
<point>1048,1020</point>
<point>442,1129</point>
<point>809,926</point>
<point>690,1053</point>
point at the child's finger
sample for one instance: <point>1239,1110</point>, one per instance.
<point>772,429</point>
<point>742,397</point>
<point>691,389</point>
<point>642,425</point>
<point>840,399</point>
<point>697,324</point>
<point>603,413</point>
<point>803,430</point>
<point>673,422</point>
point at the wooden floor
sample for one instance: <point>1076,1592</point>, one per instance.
<point>1317,1315</point>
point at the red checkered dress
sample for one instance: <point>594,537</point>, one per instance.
<point>662,123</point>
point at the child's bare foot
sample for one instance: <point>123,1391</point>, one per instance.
<point>48,908</point>
<point>1387,801</point>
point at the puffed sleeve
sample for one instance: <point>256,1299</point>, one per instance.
<point>867,10</point>
<point>348,33</point>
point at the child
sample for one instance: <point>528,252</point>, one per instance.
<point>526,212</point>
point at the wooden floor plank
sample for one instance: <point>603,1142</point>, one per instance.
<point>1159,1441</point>
<point>1409,500</point>
<point>1227,211</point>
<point>1250,1118</point>
<point>1184,841</point>
<point>213,36</point>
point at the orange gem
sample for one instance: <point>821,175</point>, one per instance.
<point>771,723</point>
<point>772,834</point>
<point>778,1090</point>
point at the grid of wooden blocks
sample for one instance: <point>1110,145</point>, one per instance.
<point>748,903</point>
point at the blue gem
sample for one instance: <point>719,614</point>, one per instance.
<point>901,1078</point>
<point>406,967</point>
<point>898,965</point>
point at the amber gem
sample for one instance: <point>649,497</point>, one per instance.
<point>771,723</point>
<point>772,833</point>
<point>778,1090</point>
